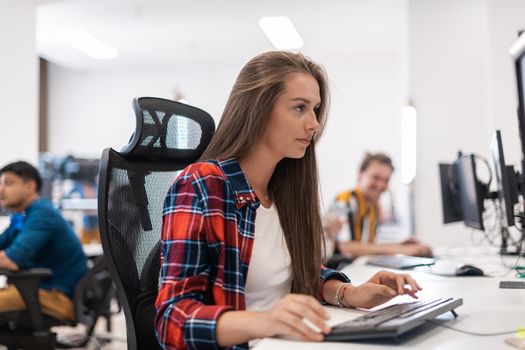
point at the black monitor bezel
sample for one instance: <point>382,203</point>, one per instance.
<point>502,178</point>
<point>467,162</point>
<point>449,196</point>
<point>517,52</point>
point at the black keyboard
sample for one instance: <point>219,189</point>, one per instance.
<point>393,320</point>
<point>512,284</point>
<point>399,261</point>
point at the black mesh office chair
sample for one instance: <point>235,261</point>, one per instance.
<point>133,184</point>
<point>31,329</point>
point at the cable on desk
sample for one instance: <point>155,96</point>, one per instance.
<point>492,218</point>
<point>474,333</point>
<point>510,268</point>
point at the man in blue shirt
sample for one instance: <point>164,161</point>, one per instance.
<point>38,237</point>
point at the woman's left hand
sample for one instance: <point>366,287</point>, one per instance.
<point>379,289</point>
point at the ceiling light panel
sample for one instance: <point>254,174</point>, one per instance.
<point>281,32</point>
<point>87,44</point>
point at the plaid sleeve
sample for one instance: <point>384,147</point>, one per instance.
<point>183,319</point>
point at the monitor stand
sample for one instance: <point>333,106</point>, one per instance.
<point>520,246</point>
<point>521,243</point>
<point>503,250</point>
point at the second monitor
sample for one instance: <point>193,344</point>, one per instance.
<point>462,193</point>
<point>505,179</point>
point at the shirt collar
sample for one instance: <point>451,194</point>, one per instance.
<point>242,191</point>
<point>36,204</point>
<point>17,220</point>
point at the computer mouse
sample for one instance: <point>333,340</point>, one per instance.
<point>468,270</point>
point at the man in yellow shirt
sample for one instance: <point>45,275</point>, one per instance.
<point>355,230</point>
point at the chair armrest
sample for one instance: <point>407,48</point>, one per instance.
<point>27,282</point>
<point>25,274</point>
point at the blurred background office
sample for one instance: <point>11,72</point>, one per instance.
<point>448,59</point>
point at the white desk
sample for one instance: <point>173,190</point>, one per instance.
<point>486,308</point>
<point>84,204</point>
<point>92,249</point>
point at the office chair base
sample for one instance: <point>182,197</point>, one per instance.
<point>29,340</point>
<point>70,341</point>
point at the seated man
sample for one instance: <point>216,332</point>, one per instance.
<point>355,230</point>
<point>38,237</point>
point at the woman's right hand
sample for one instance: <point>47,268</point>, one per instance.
<point>333,225</point>
<point>287,318</point>
<point>415,249</point>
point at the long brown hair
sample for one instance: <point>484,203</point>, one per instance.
<point>294,184</point>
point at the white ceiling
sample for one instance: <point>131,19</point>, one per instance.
<point>163,33</point>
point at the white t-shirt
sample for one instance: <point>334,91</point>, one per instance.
<point>270,271</point>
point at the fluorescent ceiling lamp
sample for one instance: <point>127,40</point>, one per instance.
<point>518,47</point>
<point>408,144</point>
<point>281,32</point>
<point>87,44</point>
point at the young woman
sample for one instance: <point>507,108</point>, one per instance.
<point>242,235</point>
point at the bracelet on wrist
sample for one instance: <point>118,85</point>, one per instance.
<point>339,297</point>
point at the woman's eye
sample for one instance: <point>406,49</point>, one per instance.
<point>300,108</point>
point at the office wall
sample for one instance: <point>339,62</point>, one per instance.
<point>463,87</point>
<point>19,79</point>
<point>89,111</point>
<point>461,82</point>
<point>367,96</point>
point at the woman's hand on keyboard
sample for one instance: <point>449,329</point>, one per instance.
<point>379,289</point>
<point>414,249</point>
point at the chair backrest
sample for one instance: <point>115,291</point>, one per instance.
<point>133,185</point>
<point>92,295</point>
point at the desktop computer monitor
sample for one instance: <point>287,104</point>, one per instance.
<point>54,169</point>
<point>462,193</point>
<point>518,54</point>
<point>449,195</point>
<point>470,192</point>
<point>80,169</point>
<point>505,180</point>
